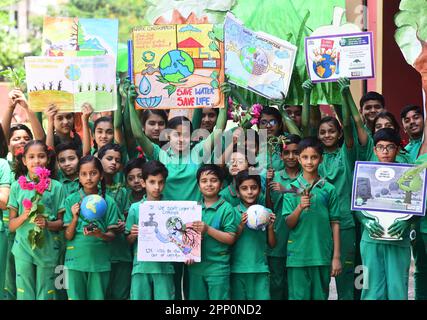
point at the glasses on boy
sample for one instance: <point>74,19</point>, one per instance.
<point>388,148</point>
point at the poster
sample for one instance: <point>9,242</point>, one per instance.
<point>330,57</point>
<point>165,232</point>
<point>391,187</point>
<point>178,66</point>
<point>68,82</point>
<point>257,61</point>
<point>63,36</point>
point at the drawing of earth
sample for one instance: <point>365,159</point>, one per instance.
<point>325,68</point>
<point>73,72</point>
<point>176,65</point>
<point>253,60</point>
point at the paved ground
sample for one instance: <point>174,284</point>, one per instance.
<point>411,293</point>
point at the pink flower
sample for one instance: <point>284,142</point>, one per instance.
<point>22,180</point>
<point>27,203</point>
<point>230,115</point>
<point>254,121</point>
<point>42,173</point>
<point>42,186</point>
<point>285,146</point>
<point>230,101</point>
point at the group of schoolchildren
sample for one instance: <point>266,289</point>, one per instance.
<point>311,236</point>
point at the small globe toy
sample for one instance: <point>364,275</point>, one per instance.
<point>93,207</point>
<point>176,65</point>
<point>326,67</point>
<point>258,217</point>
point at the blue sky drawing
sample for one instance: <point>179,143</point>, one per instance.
<point>106,30</point>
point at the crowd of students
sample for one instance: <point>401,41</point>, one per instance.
<point>130,156</point>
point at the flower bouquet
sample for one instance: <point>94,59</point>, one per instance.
<point>245,118</point>
<point>274,143</point>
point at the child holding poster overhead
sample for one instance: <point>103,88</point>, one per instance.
<point>150,280</point>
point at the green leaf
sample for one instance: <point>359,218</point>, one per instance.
<point>213,46</point>
<point>161,79</point>
<point>40,208</point>
<point>211,35</point>
<point>214,75</point>
<point>171,89</point>
<point>215,84</point>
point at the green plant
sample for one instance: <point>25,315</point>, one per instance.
<point>14,75</point>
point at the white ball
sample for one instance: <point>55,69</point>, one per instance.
<point>258,217</point>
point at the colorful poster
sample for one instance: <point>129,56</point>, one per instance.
<point>330,57</point>
<point>165,232</point>
<point>390,188</point>
<point>79,37</point>
<point>68,82</point>
<point>257,61</point>
<point>178,66</point>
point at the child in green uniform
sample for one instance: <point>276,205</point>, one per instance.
<point>210,278</point>
<point>133,175</point>
<point>281,181</point>
<point>413,123</point>
<point>68,155</point>
<point>313,220</point>
<point>121,256</point>
<point>35,276</point>
<point>150,280</point>
<point>249,268</point>
<point>88,257</point>
<point>386,262</point>
<point>4,198</point>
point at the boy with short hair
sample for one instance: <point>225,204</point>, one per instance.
<point>68,155</point>
<point>371,104</point>
<point>413,123</point>
<point>133,176</point>
<point>313,219</point>
<point>210,278</point>
<point>249,268</point>
<point>387,262</point>
<point>150,280</point>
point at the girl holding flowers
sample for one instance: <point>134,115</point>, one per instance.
<point>36,208</point>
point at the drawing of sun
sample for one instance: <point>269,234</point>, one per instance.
<point>73,72</point>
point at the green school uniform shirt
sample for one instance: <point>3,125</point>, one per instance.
<point>5,173</point>
<point>413,148</point>
<point>368,154</point>
<point>146,267</point>
<point>229,194</point>
<point>248,253</point>
<point>280,228</point>
<point>337,168</point>
<point>6,212</point>
<point>423,221</point>
<point>53,201</point>
<point>276,160</point>
<point>310,242</point>
<point>120,248</point>
<point>215,258</point>
<point>70,186</point>
<point>181,183</point>
<point>87,253</point>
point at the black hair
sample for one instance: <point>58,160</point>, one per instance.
<point>213,169</point>
<point>388,115</point>
<point>147,113</point>
<point>275,113</point>
<point>133,164</point>
<point>98,165</point>
<point>3,144</point>
<point>153,168</point>
<point>21,170</point>
<point>293,139</point>
<point>19,126</point>
<point>372,95</point>
<point>292,105</point>
<point>310,142</point>
<point>96,123</point>
<point>216,110</point>
<point>333,120</point>
<point>387,134</point>
<point>244,175</point>
<point>409,108</point>
<point>179,121</point>
<point>68,146</point>
<point>109,146</point>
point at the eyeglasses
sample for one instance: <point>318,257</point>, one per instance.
<point>388,148</point>
<point>271,122</point>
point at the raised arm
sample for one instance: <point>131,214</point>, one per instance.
<point>8,114</point>
<point>87,110</point>
<point>118,119</point>
<point>50,112</point>
<point>36,126</point>
<point>305,117</point>
<point>344,85</point>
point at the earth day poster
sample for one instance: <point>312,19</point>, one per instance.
<point>178,66</point>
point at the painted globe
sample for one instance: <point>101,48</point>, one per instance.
<point>176,65</point>
<point>93,207</point>
<point>254,60</point>
<point>326,67</point>
<point>258,217</point>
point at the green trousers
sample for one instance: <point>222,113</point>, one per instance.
<point>10,276</point>
<point>119,284</point>
<point>419,251</point>
<point>250,286</point>
<point>3,259</point>
<point>386,271</point>
<point>87,285</point>
<point>209,287</point>
<point>152,287</point>
<point>34,282</point>
<point>309,283</point>
<point>278,278</point>
<point>345,281</point>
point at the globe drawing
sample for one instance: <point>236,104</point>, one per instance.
<point>73,72</point>
<point>253,60</point>
<point>93,207</point>
<point>258,217</point>
<point>176,65</point>
<point>325,68</point>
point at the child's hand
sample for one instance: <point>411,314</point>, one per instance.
<point>305,202</point>
<point>344,84</point>
<point>307,86</point>
<point>336,267</point>
<point>50,112</point>
<point>275,186</point>
<point>26,213</point>
<point>374,228</point>
<point>120,226</point>
<point>270,174</point>
<point>75,210</point>
<point>40,221</point>
<point>200,226</point>
<point>244,219</point>
<point>87,110</point>
<point>398,228</point>
<point>96,232</point>
<point>134,230</point>
<point>12,98</point>
<point>271,221</point>
<point>237,134</point>
<point>189,262</point>
<point>19,98</point>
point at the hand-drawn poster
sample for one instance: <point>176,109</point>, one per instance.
<point>64,36</point>
<point>390,188</point>
<point>165,232</point>
<point>68,82</point>
<point>257,61</point>
<point>330,57</point>
<point>178,66</point>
